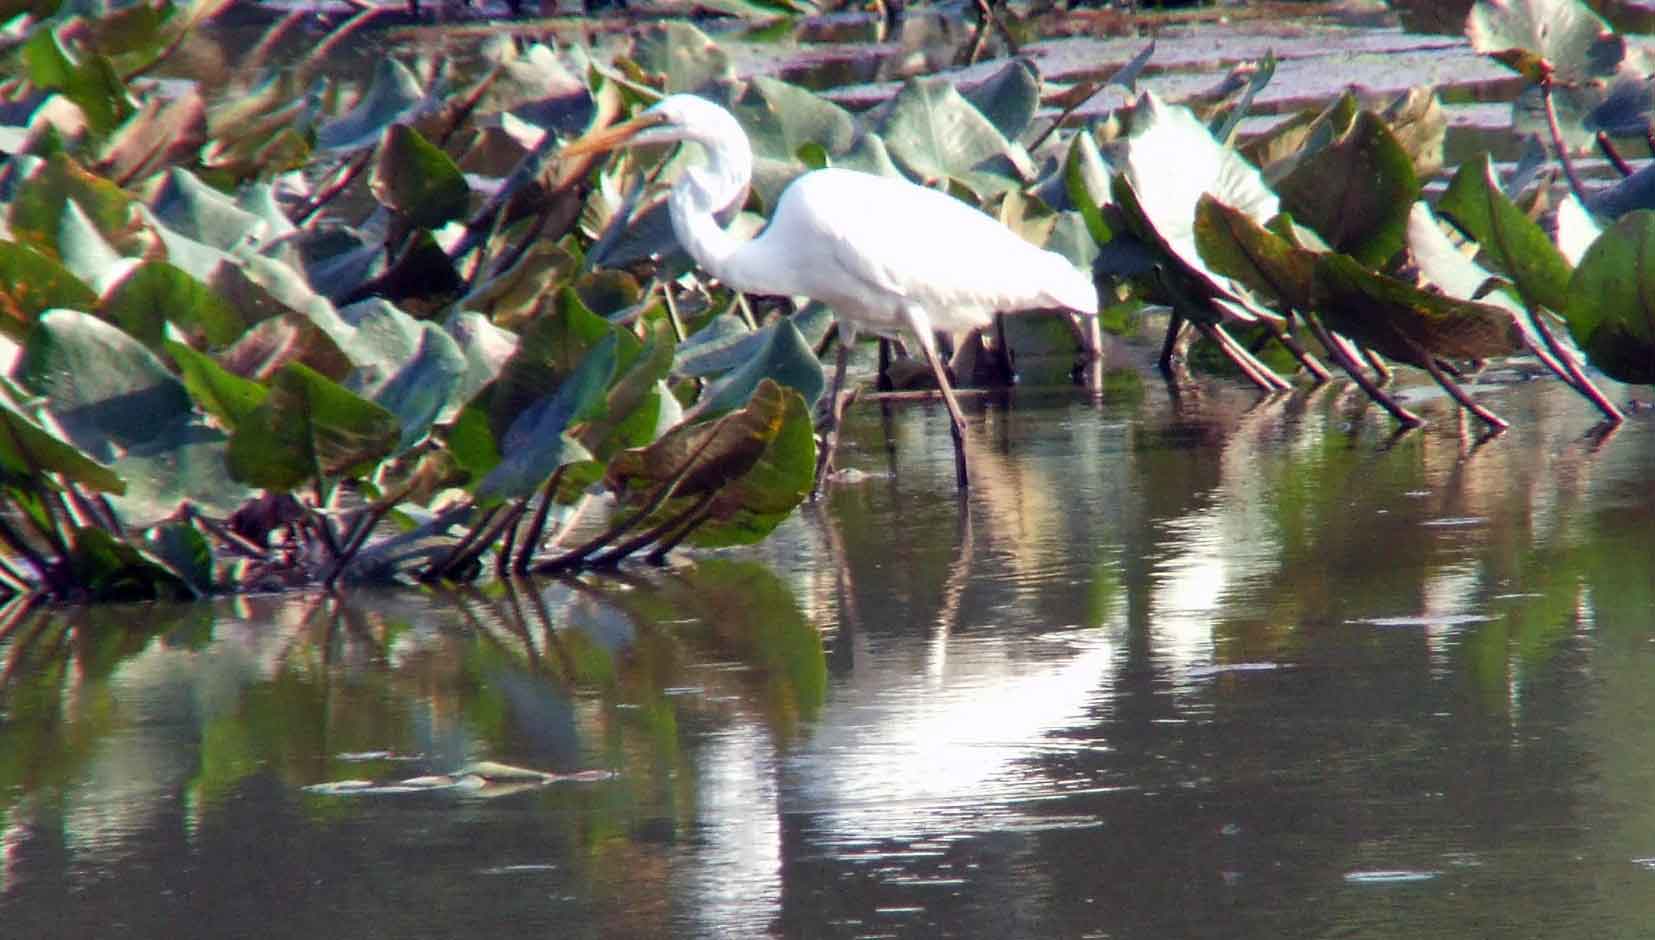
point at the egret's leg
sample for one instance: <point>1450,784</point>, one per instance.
<point>836,411</point>
<point>920,324</point>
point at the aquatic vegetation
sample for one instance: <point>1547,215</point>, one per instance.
<point>280,329</point>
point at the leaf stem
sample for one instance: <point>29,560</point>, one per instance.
<point>1557,140</point>
<point>1336,348</point>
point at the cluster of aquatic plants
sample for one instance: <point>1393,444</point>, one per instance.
<point>231,376</point>
<point>1317,227</point>
<point>288,332</point>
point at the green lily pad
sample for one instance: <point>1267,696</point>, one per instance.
<point>757,462</point>
<point>218,391</point>
<point>1537,38</point>
<point>393,95</point>
<point>1086,182</point>
<point>32,283</point>
<point>1160,207</point>
<point>106,390</point>
<point>155,293</point>
<point>1234,245</point>
<point>551,349</point>
<point>417,180</point>
<point>91,83</point>
<point>184,463</point>
<point>783,357</point>
<point>934,133</point>
<point>1406,323</point>
<point>723,343</point>
<point>1356,191</point>
<point>1512,242</point>
<point>27,450</point>
<point>203,214</point>
<point>85,252</point>
<point>1611,305</point>
<point>538,441</point>
<point>683,57</point>
<point>424,386</point>
<point>309,426</point>
<point>37,209</point>
<point>1008,98</point>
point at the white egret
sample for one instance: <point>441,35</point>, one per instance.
<point>886,255</point>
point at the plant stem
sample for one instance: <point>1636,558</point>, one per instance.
<point>1335,346</point>
<point>614,555</point>
<point>1310,363</point>
<point>537,525</point>
<point>1613,155</point>
<point>694,522</point>
<point>1175,326</point>
<point>1572,373</point>
<point>1459,394</point>
<point>1557,140</point>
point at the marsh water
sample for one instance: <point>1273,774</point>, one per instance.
<point>1204,664</point>
<point>1182,664</point>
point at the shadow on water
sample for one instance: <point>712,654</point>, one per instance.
<point>1182,666</point>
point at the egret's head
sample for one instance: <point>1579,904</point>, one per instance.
<point>674,118</point>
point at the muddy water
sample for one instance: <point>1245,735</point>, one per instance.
<point>1201,665</point>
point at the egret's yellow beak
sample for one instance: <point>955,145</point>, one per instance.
<point>615,135</point>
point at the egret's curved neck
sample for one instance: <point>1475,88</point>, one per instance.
<point>704,190</point>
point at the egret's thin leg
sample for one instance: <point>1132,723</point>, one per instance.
<point>836,412</point>
<point>921,326</point>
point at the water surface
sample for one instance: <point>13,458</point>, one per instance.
<point>1193,665</point>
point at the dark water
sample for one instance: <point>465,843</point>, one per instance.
<point>1198,667</point>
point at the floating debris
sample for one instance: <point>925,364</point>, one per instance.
<point>1389,876</point>
<point>484,778</point>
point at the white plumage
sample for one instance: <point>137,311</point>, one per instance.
<point>887,256</point>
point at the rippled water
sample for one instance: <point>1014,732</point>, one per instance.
<point>1193,666</point>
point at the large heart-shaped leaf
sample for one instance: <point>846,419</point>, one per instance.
<point>723,343</point>
<point>393,95</point>
<point>184,463</point>
<point>1008,98</point>
<point>91,83</point>
<point>411,367</point>
<point>1356,191</point>
<point>416,179</point>
<point>934,133</point>
<point>203,214</point>
<point>1162,137</point>
<point>755,464</point>
<point>156,293</point>
<point>783,357</point>
<point>37,208</point>
<point>1406,323</point>
<point>1510,240</point>
<point>32,283</point>
<point>308,425</point>
<point>1611,306</point>
<point>780,120</point>
<point>106,390</point>
<point>682,56</point>
<point>27,450</point>
<point>550,350</point>
<point>1545,37</point>
<point>218,391</point>
<point>1237,247</point>
<point>86,253</point>
<point>538,442</point>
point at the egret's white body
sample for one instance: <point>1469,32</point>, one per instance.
<point>887,256</point>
